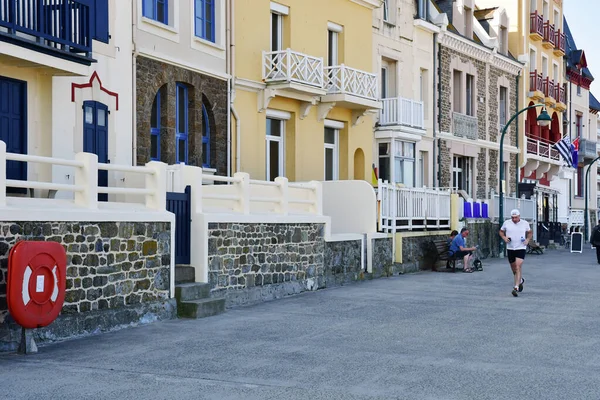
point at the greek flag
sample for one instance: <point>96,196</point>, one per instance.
<point>564,147</point>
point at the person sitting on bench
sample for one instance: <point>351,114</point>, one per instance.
<point>458,249</point>
<point>450,239</point>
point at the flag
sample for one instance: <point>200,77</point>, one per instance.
<point>575,152</point>
<point>564,147</point>
<point>374,176</point>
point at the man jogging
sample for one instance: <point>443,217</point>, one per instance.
<point>516,234</point>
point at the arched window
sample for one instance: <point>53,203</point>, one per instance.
<point>182,124</point>
<point>205,138</point>
<point>155,129</point>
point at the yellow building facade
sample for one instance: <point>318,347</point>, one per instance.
<point>304,89</point>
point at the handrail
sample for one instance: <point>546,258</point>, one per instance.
<point>43,160</point>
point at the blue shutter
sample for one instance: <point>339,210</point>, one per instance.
<point>100,21</point>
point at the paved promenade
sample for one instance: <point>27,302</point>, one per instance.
<point>418,336</point>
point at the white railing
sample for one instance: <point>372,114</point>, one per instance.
<point>402,208</point>
<point>527,207</point>
<point>465,126</point>
<point>345,80</point>
<point>85,186</point>
<point>402,111</point>
<point>542,149</point>
<point>292,66</point>
<point>241,195</point>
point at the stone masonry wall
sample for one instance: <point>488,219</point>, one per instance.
<point>485,172</point>
<point>417,252</point>
<point>117,273</point>
<point>153,76</point>
<point>383,257</point>
<point>343,263</point>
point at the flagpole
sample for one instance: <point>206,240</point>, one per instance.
<point>547,119</point>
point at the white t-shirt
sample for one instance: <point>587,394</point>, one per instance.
<point>515,232</point>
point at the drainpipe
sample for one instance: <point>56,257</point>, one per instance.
<point>238,132</point>
<point>433,108</point>
<point>229,79</point>
<point>134,84</point>
<point>517,137</point>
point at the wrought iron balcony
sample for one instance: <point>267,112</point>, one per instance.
<point>288,66</point>
<point>587,148</point>
<point>345,80</point>
<point>402,111</point>
<point>560,43</point>
<point>465,126</point>
<point>559,93</point>
<point>57,27</point>
<point>542,149</point>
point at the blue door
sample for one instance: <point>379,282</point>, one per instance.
<point>95,138</point>
<point>13,126</point>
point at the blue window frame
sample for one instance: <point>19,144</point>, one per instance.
<point>157,10</point>
<point>155,129</point>
<point>181,132</point>
<point>205,138</point>
<point>205,19</point>
<point>99,21</point>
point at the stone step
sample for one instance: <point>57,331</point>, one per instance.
<point>200,308</point>
<point>192,291</point>
<point>184,274</point>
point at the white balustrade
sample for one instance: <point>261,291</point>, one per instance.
<point>292,66</point>
<point>403,208</point>
<point>345,80</point>
<point>402,111</point>
<point>542,149</point>
<point>527,207</point>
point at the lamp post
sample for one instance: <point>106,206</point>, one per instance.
<point>543,120</point>
<point>585,214</point>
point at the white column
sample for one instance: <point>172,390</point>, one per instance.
<point>157,183</point>
<point>87,178</point>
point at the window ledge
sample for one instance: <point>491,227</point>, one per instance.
<point>158,24</point>
<point>208,43</point>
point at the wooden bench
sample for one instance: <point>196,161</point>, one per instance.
<point>441,248</point>
<point>533,247</point>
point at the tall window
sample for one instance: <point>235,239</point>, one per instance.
<point>386,10</point>
<point>579,183</point>
<point>274,138</point>
<point>462,173</point>
<point>457,91</point>
<point>544,66</point>
<point>181,134</point>
<point>332,48</point>
<point>155,129</point>
<point>95,137</point>
<point>384,82</point>
<point>422,9</point>
<point>404,163</point>
<point>532,60</point>
<point>421,169</point>
<point>205,138</point>
<point>384,161</point>
<point>557,21</point>
<point>503,106</point>
<point>545,11</point>
<point>578,90</point>
<point>578,127</point>
<point>205,19</point>
<point>331,154</point>
<point>532,5</point>
<point>470,93</point>
<point>156,10</point>
<point>276,31</point>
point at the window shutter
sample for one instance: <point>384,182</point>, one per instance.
<point>100,20</point>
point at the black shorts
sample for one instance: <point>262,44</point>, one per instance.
<point>514,254</point>
<point>461,254</point>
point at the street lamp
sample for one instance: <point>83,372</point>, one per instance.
<point>543,120</point>
<point>585,215</point>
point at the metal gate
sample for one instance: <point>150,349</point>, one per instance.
<point>179,204</point>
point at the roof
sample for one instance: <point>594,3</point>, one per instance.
<point>594,103</point>
<point>574,55</point>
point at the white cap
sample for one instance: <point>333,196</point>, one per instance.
<point>514,213</point>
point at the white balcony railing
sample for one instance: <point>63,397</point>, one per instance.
<point>402,111</point>
<point>403,208</point>
<point>345,80</point>
<point>292,66</point>
<point>526,206</point>
<point>465,126</point>
<point>542,149</point>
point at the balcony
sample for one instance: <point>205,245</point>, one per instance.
<point>542,149</point>
<point>288,69</point>
<point>548,90</point>
<point>560,97</point>
<point>549,35</point>
<point>351,88</point>
<point>560,43</point>
<point>587,149</point>
<point>56,28</point>
<point>399,111</point>
<point>465,126</point>
<point>536,85</point>
<point>536,26</point>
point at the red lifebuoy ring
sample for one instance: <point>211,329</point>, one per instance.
<point>36,282</point>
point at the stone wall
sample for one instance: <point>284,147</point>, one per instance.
<point>343,263</point>
<point>485,170</point>
<point>153,76</point>
<point>117,273</point>
<point>383,256</point>
<point>418,252</point>
<point>485,234</point>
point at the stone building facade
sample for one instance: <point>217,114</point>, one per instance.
<point>206,111</point>
<point>118,273</point>
<point>473,82</point>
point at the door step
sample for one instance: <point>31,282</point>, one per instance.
<point>200,308</point>
<point>184,274</point>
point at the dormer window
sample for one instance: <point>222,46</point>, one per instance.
<point>468,15</point>
<point>422,9</point>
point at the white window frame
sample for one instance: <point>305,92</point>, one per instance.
<point>468,180</point>
<point>333,50</point>
<point>385,8</point>
<point>384,81</point>
<point>545,66</point>
<point>470,95</point>
<point>532,61</point>
<point>395,175</point>
<point>279,30</point>
<point>336,126</point>
<point>281,116</point>
<point>502,102</point>
<point>546,10</point>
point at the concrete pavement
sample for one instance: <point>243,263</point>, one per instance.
<point>418,336</point>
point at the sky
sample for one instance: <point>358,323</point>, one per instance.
<point>582,16</point>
